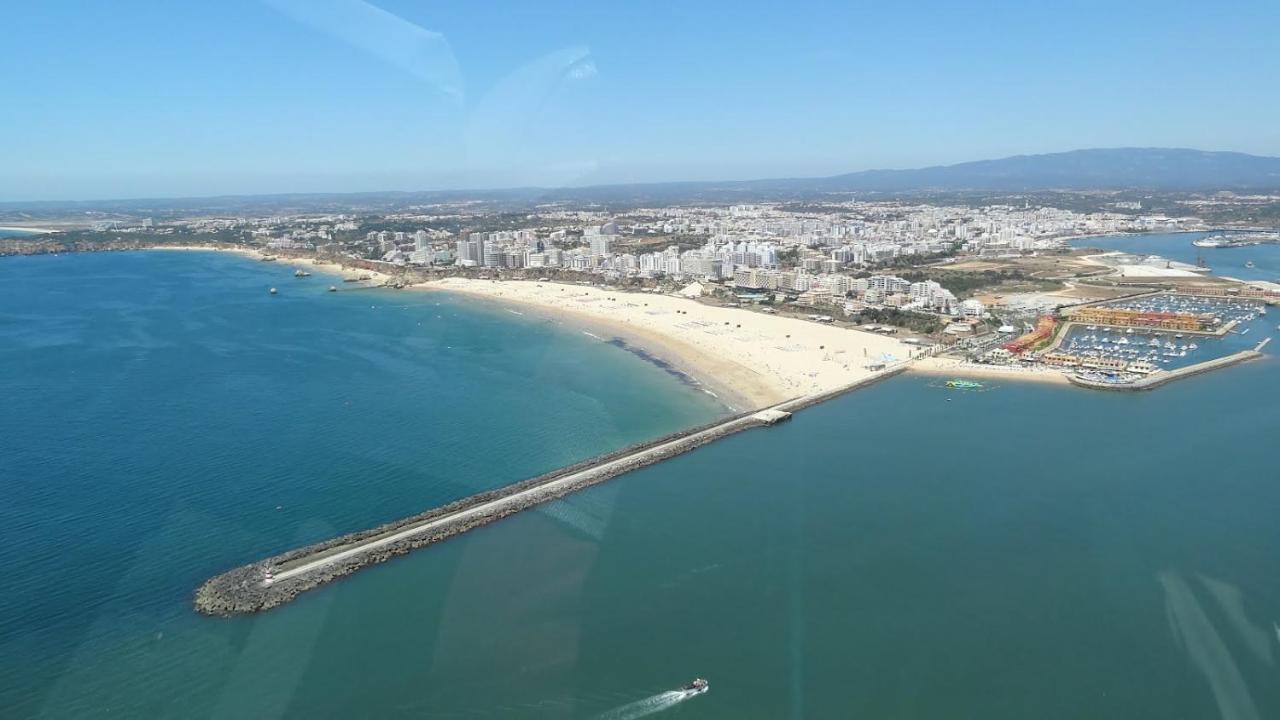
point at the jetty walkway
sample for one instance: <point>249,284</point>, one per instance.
<point>276,580</point>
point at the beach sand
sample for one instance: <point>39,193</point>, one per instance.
<point>337,269</point>
<point>297,262</point>
<point>28,230</point>
<point>961,369</point>
<point>757,359</point>
<point>206,248</point>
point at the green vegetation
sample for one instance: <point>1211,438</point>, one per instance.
<point>95,240</point>
<point>913,321</point>
<point>965,284</point>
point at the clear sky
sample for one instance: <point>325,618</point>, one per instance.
<point>149,99</point>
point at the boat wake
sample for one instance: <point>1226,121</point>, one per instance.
<point>649,705</point>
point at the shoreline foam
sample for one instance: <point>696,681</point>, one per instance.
<point>28,230</point>
<point>763,359</point>
<point>334,268</point>
<point>958,368</point>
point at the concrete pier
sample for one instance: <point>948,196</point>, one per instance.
<point>276,580</point>
<point>1163,377</point>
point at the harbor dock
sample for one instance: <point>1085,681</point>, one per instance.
<point>1163,377</point>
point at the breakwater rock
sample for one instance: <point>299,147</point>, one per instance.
<point>1154,381</point>
<point>276,580</point>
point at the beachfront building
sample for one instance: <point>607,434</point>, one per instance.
<point>600,244</point>
<point>470,252</point>
<point>1121,317</point>
<point>888,284</point>
<point>1229,291</point>
<point>756,278</point>
<point>1043,331</point>
<point>492,255</point>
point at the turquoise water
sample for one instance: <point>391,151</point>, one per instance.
<point>1229,262</point>
<point>904,551</point>
<point>165,419</point>
<point>8,233</point>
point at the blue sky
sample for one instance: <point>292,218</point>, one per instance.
<point>137,99</point>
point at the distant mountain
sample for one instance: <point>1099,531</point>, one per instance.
<point>1137,168</point>
<point>1154,169</point>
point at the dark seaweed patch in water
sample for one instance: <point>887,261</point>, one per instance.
<point>649,357</point>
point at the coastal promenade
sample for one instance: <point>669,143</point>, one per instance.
<point>276,580</point>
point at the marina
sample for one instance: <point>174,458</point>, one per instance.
<point>1147,340</point>
<point>1102,380</point>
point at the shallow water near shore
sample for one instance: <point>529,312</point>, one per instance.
<point>903,551</point>
<point>10,232</point>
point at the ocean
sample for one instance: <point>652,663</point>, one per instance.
<point>903,551</point>
<point>13,232</point>
<point>1228,262</point>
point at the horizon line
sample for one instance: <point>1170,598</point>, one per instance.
<point>636,184</point>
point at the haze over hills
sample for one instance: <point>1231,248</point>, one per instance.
<point>1169,169</point>
<point>1153,169</point>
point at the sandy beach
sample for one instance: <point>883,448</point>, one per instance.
<point>30,230</point>
<point>961,369</point>
<point>298,262</point>
<point>762,359</point>
<point>207,248</point>
<point>337,269</point>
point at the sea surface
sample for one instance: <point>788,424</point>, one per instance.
<point>13,232</point>
<point>1228,262</point>
<point>904,551</point>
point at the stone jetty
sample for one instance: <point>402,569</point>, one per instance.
<point>276,580</point>
<point>1163,377</point>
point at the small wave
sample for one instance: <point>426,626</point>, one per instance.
<point>584,332</point>
<point>515,312</point>
<point>648,706</point>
